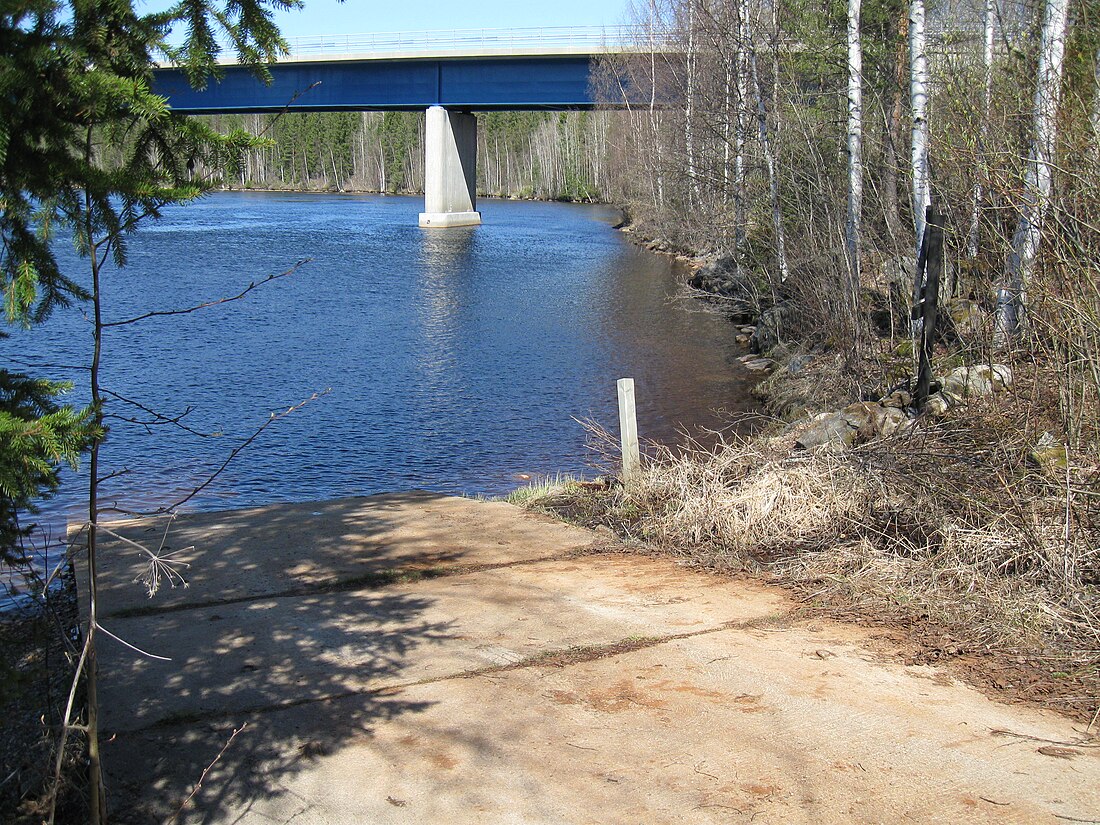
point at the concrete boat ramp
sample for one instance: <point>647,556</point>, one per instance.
<point>425,659</point>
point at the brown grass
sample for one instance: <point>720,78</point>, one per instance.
<point>952,525</point>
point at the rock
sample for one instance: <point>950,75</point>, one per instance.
<point>976,382</point>
<point>899,399</point>
<point>830,431</point>
<point>893,420</point>
<point>759,365</point>
<point>896,275</point>
<point>855,424</point>
<point>747,330</point>
<point>966,318</point>
<point>797,365</point>
<point>1050,455</point>
<point>724,278</point>
<point>769,329</point>
<point>937,405</point>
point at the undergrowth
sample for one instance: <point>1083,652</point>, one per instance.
<point>954,523</point>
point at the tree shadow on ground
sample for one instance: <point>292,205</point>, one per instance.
<point>287,647</point>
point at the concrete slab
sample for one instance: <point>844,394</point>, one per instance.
<point>294,547</point>
<point>735,726</point>
<point>544,688</point>
<point>267,652</point>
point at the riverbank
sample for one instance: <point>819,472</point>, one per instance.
<point>330,190</point>
<point>968,531</point>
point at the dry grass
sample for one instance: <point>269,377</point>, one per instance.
<point>953,524</point>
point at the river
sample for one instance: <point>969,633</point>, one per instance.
<point>456,360</point>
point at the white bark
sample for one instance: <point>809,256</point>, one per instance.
<point>727,124</point>
<point>740,195</point>
<point>855,148</point>
<point>987,107</point>
<point>1095,146</point>
<point>689,105</point>
<point>769,160</point>
<point>1011,299</point>
<point>918,101</point>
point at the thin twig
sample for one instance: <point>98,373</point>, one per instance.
<point>158,418</point>
<point>202,778</point>
<point>65,728</point>
<point>168,312</point>
<point>133,647</point>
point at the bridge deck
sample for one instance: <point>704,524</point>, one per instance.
<point>477,70</point>
<point>521,82</point>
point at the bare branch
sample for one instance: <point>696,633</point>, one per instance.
<point>198,785</point>
<point>167,312</point>
<point>133,647</point>
<point>275,416</point>
<point>158,418</point>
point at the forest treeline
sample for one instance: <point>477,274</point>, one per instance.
<point>545,155</point>
<point>808,138</point>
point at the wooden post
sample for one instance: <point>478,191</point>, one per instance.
<point>927,309</point>
<point>628,429</point>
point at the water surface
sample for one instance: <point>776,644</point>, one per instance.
<point>456,360</point>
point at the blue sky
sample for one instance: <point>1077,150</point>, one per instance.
<point>356,16</point>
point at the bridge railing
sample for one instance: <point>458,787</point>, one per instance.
<point>551,38</point>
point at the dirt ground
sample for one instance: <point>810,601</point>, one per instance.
<point>420,658</point>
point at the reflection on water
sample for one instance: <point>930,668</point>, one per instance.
<point>444,254</point>
<point>457,359</point>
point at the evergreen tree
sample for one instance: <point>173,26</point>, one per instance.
<point>86,150</point>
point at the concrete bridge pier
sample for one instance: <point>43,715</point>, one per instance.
<point>450,169</point>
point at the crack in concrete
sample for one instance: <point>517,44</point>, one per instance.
<point>386,577</point>
<point>562,658</point>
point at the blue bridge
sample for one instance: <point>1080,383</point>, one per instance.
<point>450,75</point>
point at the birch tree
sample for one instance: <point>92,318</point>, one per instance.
<point>689,105</point>
<point>740,194</point>
<point>769,161</point>
<point>1094,147</point>
<point>855,150</point>
<point>918,101</point>
<point>987,106</point>
<point>1011,297</point>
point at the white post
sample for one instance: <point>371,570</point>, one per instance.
<point>628,429</point>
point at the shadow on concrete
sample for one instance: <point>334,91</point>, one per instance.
<point>280,637</point>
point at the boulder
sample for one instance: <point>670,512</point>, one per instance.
<point>723,278</point>
<point>898,399</point>
<point>830,431</point>
<point>979,381</point>
<point>967,319</point>
<point>855,424</point>
<point>759,365</point>
<point>769,329</point>
<point>938,403</point>
<point>1051,456</point>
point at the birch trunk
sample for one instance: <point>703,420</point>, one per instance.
<point>740,196</point>
<point>987,107</point>
<point>918,102</point>
<point>855,151</point>
<point>689,107</point>
<point>1094,148</point>
<point>1012,297</point>
<point>769,161</point>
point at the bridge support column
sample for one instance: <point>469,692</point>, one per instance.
<point>450,169</point>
